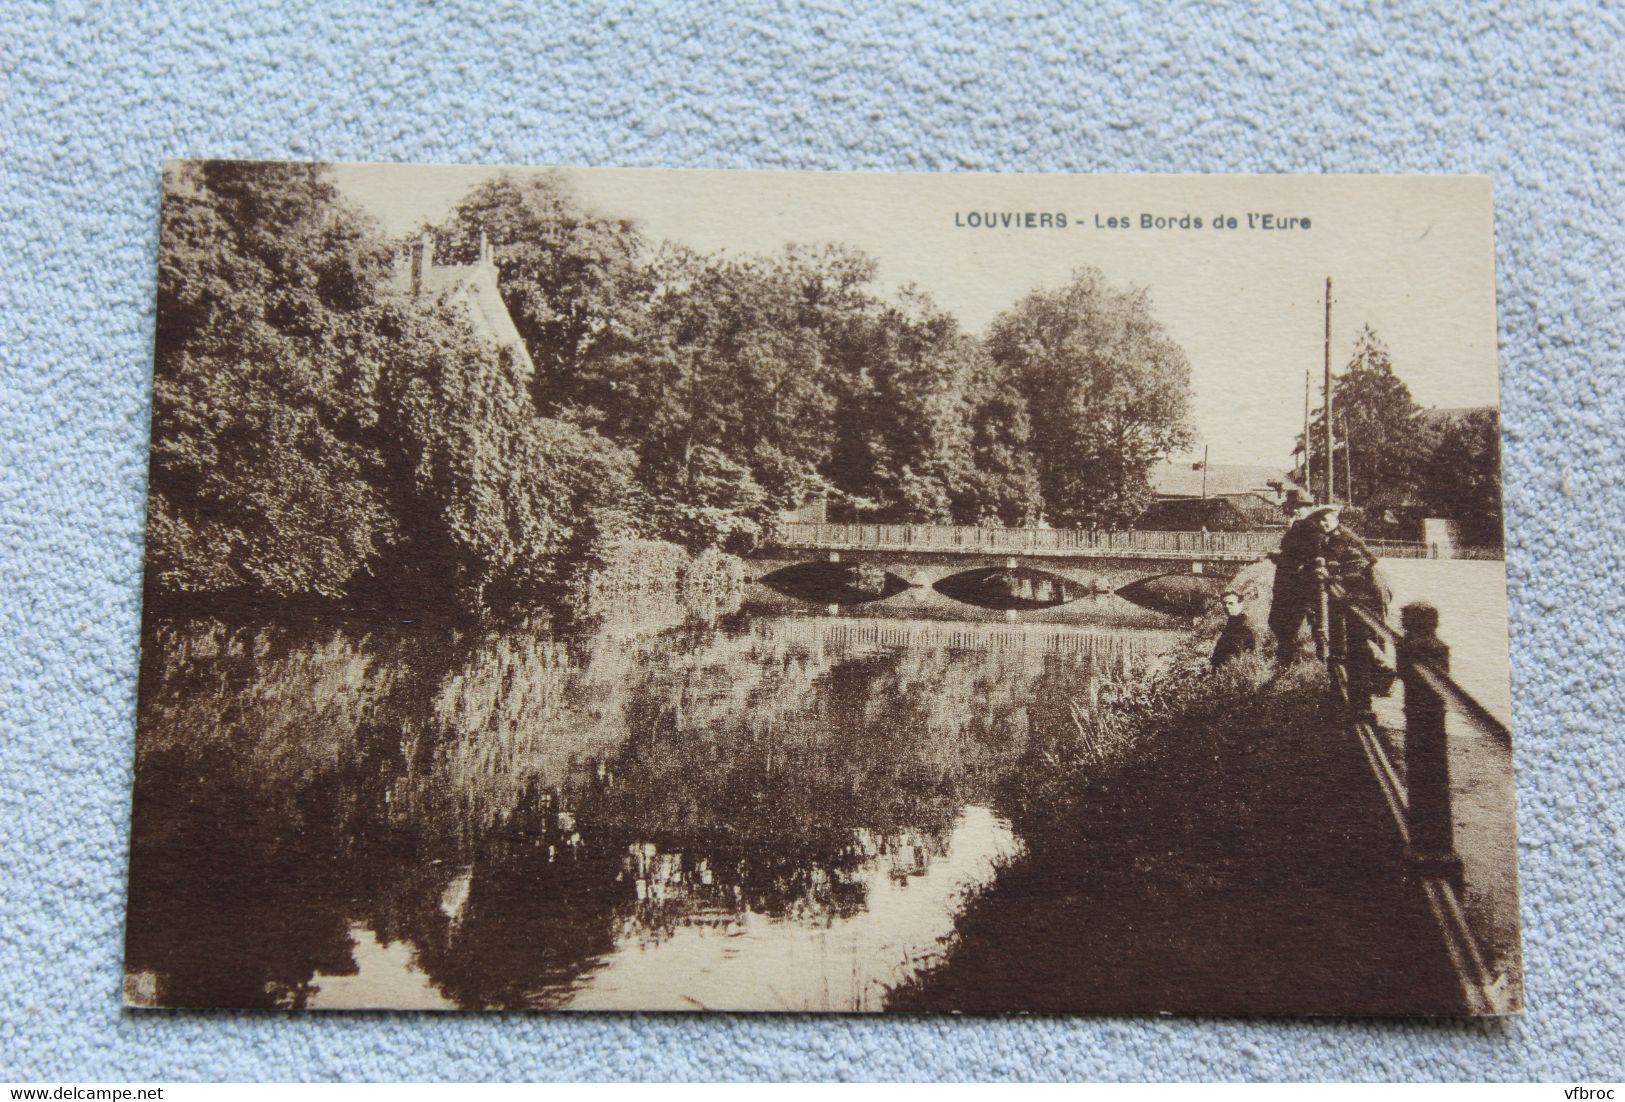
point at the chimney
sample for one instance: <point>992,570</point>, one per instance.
<point>401,270</point>
<point>425,264</point>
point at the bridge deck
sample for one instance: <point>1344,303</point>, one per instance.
<point>1067,543</point>
<point>1028,552</point>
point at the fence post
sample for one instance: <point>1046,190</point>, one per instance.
<point>1427,747</point>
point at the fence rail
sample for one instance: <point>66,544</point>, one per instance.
<point>1414,775</point>
<point>946,537</point>
<point>1412,549</point>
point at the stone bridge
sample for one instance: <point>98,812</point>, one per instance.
<point>926,554</point>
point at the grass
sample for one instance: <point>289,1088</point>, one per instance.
<point>1195,842</point>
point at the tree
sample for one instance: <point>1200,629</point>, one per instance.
<point>720,504</point>
<point>316,433</point>
<point>732,360</point>
<point>574,281</point>
<point>1461,477</point>
<point>905,440</point>
<point>1106,389</point>
<point>1002,485</point>
<point>1380,444</point>
<point>495,501</point>
<point>263,474</point>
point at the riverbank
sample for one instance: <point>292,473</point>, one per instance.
<point>619,571</point>
<point>1195,843</point>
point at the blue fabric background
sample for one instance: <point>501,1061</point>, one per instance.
<point>96,94</point>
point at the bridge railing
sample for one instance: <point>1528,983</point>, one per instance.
<point>1446,779</point>
<point>949,537</point>
<point>1415,549</point>
<point>973,538</point>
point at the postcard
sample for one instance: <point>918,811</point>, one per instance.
<point>629,589</point>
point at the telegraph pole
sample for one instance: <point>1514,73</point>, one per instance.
<point>1330,466</point>
<point>1308,472</point>
<point>1204,472</point>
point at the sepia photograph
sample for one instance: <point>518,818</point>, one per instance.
<point>639,589</point>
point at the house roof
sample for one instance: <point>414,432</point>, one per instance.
<point>473,286</point>
<point>1187,514</point>
<point>1443,415</point>
<point>1171,479</point>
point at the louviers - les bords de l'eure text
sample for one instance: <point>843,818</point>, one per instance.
<point>1057,220</point>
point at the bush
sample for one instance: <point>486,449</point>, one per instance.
<point>1083,752</point>
<point>703,526</point>
<point>490,495</point>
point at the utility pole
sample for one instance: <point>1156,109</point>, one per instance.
<point>1308,472</point>
<point>1330,466</point>
<point>1204,472</point>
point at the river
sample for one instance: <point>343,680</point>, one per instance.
<point>777,806</point>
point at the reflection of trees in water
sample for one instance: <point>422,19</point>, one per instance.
<point>239,820</point>
<point>512,804</point>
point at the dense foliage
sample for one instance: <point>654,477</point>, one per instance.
<point>264,474</point>
<point>746,385</point>
<point>488,493</point>
<point>322,432</point>
<point>1397,462</point>
<point>1107,391</point>
<point>317,434</point>
<point>1461,476</point>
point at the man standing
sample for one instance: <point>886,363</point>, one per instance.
<point>1294,576</point>
<point>1238,637</point>
<point>1351,564</point>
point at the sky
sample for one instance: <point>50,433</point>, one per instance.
<point>1411,256</point>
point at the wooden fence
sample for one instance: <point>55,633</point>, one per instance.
<point>1462,859</point>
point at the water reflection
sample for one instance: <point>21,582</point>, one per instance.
<point>1019,588</point>
<point>653,808</point>
<point>834,583</point>
<point>1178,594</point>
<point>911,888</point>
<point>1094,610</point>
